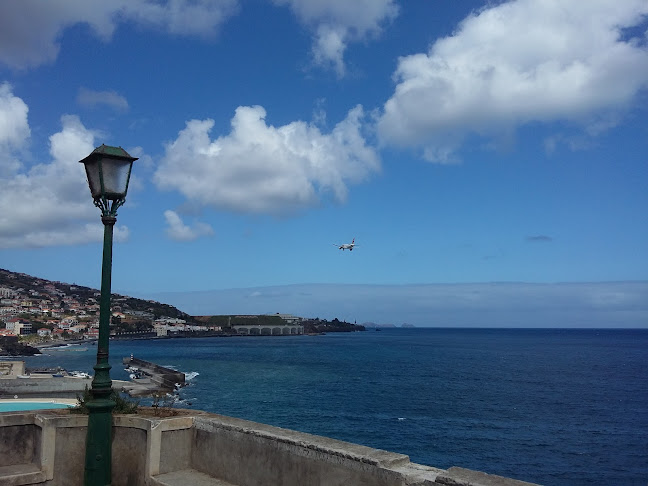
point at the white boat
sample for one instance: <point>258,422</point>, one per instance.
<point>79,374</point>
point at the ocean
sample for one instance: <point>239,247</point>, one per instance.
<point>551,406</point>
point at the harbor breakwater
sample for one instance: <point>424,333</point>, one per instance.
<point>148,378</point>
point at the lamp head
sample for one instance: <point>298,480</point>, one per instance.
<point>108,170</point>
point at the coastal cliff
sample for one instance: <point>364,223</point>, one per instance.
<point>9,346</point>
<point>315,326</point>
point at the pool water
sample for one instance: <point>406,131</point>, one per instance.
<point>23,406</point>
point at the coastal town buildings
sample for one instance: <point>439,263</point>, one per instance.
<point>45,310</point>
<point>54,310</point>
<point>18,327</point>
<point>44,332</point>
<point>7,293</point>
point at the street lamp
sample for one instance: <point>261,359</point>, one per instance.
<point>108,170</point>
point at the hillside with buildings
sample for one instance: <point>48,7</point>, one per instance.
<point>40,311</point>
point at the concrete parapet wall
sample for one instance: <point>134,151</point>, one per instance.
<point>176,447</point>
<point>49,448</point>
<point>20,444</point>
<point>246,453</point>
<point>60,387</point>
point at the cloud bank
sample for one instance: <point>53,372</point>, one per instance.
<point>519,62</point>
<point>259,168</point>
<point>519,305</point>
<point>30,30</point>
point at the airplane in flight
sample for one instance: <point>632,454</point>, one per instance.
<point>347,246</point>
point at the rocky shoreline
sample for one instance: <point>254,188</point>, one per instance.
<point>58,344</point>
<point>9,346</point>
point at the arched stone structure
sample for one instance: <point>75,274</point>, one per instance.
<point>269,330</point>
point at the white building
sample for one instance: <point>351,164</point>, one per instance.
<point>19,326</point>
<point>7,293</point>
<point>170,320</point>
<point>9,311</point>
<point>161,330</point>
<point>66,322</point>
<point>289,318</point>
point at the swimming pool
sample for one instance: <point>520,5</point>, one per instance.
<point>18,406</point>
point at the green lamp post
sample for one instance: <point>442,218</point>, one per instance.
<point>108,170</point>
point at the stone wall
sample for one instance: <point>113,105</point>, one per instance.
<point>48,448</point>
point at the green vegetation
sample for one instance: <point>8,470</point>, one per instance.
<point>313,326</point>
<point>163,404</point>
<point>140,325</point>
<point>123,404</point>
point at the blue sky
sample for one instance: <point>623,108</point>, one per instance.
<point>458,142</point>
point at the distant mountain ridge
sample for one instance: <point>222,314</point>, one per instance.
<point>388,326</point>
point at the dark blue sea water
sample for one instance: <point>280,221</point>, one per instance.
<point>556,407</point>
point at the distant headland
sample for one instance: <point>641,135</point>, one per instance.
<point>405,325</point>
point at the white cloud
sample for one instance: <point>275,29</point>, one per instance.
<point>50,204</point>
<point>90,98</point>
<point>338,22</point>
<point>519,62</point>
<point>14,129</point>
<point>177,230</point>
<point>329,47</point>
<point>259,168</point>
<point>30,29</point>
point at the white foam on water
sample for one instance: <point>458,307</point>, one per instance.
<point>191,375</point>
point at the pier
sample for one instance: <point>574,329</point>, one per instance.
<point>150,378</point>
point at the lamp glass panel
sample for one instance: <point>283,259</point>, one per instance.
<point>92,172</point>
<point>115,177</point>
